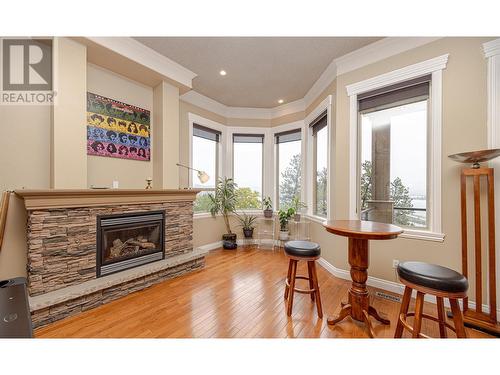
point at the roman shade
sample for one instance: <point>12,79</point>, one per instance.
<point>248,138</point>
<point>395,94</point>
<point>318,123</point>
<point>288,136</point>
<point>207,133</point>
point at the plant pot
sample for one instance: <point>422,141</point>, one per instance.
<point>284,235</point>
<point>229,241</point>
<point>268,213</point>
<point>296,217</point>
<point>248,233</point>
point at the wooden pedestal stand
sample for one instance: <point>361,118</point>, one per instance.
<point>477,318</point>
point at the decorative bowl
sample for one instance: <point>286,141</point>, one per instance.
<point>475,157</point>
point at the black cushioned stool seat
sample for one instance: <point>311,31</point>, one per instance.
<point>433,276</point>
<point>302,248</point>
<point>435,280</point>
<point>308,252</point>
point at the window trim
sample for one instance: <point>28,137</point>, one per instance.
<point>434,67</point>
<point>325,105</point>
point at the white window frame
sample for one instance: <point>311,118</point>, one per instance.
<point>275,180</point>
<point>266,154</point>
<point>491,51</point>
<point>434,67</point>
<point>325,105</point>
<point>222,152</point>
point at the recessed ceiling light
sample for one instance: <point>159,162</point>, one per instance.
<point>280,101</point>
<point>222,73</point>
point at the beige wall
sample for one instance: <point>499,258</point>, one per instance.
<point>13,255</point>
<point>102,171</point>
<point>463,128</point>
<point>25,161</point>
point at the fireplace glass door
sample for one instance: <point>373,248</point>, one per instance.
<point>129,240</point>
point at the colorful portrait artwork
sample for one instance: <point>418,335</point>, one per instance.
<point>116,129</point>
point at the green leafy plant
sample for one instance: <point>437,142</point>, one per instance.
<point>267,203</point>
<point>297,204</point>
<point>247,222</point>
<point>284,215</point>
<point>223,201</point>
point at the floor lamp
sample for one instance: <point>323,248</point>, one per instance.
<point>203,177</point>
<point>477,318</point>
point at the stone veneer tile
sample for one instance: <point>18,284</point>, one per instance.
<point>62,242</point>
<point>76,305</point>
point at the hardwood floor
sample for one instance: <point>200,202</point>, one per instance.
<point>238,294</point>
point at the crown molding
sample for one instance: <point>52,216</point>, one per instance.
<point>325,79</point>
<point>248,112</point>
<point>289,108</point>
<point>138,52</point>
<point>378,51</point>
<point>364,56</point>
<point>491,48</point>
<point>202,101</point>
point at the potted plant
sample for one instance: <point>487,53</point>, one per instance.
<point>223,201</point>
<point>297,205</point>
<point>284,216</point>
<point>247,223</point>
<point>268,207</point>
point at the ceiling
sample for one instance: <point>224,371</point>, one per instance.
<point>260,70</point>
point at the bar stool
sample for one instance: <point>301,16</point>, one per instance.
<point>309,252</point>
<point>438,281</point>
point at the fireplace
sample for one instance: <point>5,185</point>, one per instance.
<point>129,240</point>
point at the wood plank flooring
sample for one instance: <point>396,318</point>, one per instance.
<point>238,294</point>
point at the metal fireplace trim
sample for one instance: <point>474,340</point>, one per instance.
<point>117,220</point>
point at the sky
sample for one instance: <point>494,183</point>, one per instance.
<point>247,165</point>
<point>204,153</point>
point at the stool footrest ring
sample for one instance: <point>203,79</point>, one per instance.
<point>410,328</point>
<point>299,290</point>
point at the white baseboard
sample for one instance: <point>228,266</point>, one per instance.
<point>240,242</point>
<point>389,286</point>
<point>211,246</point>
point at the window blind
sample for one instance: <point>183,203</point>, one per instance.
<point>207,133</point>
<point>393,94</point>
<point>248,138</point>
<point>288,136</point>
<point>319,123</point>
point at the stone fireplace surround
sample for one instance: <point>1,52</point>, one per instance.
<point>61,237</point>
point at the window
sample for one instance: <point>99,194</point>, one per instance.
<point>247,169</point>
<point>320,164</point>
<point>205,158</point>
<point>393,164</point>
<point>288,166</point>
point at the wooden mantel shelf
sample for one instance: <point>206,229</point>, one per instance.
<point>64,198</point>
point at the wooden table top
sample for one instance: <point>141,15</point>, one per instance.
<point>366,230</point>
